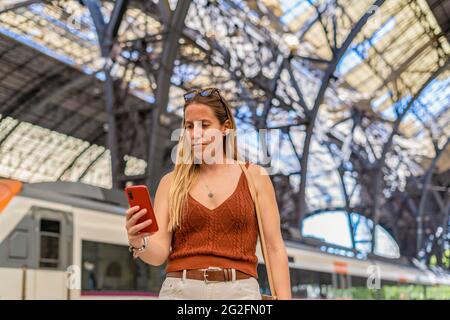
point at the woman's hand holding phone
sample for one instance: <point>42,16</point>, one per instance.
<point>135,237</point>
<point>140,218</point>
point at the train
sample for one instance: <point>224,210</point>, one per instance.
<point>67,240</point>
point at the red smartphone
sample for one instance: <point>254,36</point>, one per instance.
<point>139,196</point>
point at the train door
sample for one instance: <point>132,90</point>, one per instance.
<point>54,234</point>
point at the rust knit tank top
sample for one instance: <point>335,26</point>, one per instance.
<point>222,237</point>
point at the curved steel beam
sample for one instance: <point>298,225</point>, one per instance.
<point>424,194</point>
<point>107,33</point>
<point>381,161</point>
<point>165,12</point>
<point>345,193</point>
<point>169,54</point>
<point>97,17</point>
<point>339,53</point>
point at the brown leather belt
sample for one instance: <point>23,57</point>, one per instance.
<point>210,275</point>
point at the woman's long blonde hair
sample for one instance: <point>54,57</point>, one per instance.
<point>186,172</point>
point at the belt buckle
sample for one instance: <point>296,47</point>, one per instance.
<point>205,275</point>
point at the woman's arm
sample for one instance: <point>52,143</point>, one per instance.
<point>158,248</point>
<point>270,216</point>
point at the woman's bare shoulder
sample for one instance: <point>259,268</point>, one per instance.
<point>166,180</point>
<point>256,170</point>
<point>168,177</point>
<point>261,177</point>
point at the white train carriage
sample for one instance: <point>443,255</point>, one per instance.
<point>61,240</point>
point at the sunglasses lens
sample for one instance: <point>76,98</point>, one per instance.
<point>206,93</point>
<point>189,96</point>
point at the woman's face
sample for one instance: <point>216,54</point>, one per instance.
<point>203,127</point>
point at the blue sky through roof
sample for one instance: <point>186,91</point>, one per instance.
<point>434,98</point>
<point>359,52</point>
<point>292,9</point>
<point>436,95</point>
<point>38,8</point>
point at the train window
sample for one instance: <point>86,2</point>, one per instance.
<point>110,267</point>
<point>310,284</point>
<point>342,286</point>
<point>304,283</point>
<point>52,226</point>
<point>49,239</point>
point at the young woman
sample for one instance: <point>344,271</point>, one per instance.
<point>208,226</point>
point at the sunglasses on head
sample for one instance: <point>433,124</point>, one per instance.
<point>189,96</point>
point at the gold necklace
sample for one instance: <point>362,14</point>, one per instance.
<point>210,194</point>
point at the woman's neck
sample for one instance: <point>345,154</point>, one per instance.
<point>208,168</point>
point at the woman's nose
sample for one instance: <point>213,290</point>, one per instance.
<point>196,133</point>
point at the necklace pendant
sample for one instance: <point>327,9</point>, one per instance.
<point>210,195</point>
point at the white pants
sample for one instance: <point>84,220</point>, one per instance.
<point>187,289</point>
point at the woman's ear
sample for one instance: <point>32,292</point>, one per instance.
<point>226,127</point>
